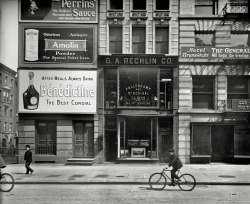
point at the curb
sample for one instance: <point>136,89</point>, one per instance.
<point>122,183</point>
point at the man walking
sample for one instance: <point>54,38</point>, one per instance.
<point>28,159</point>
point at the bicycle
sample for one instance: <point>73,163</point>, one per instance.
<point>6,182</point>
<point>158,181</point>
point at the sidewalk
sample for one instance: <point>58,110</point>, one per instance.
<point>205,174</point>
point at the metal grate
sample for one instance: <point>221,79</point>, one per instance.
<point>46,149</point>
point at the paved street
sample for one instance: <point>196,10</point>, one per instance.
<point>71,194</point>
<point>216,174</point>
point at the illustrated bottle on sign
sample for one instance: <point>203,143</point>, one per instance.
<point>31,44</point>
<point>31,96</point>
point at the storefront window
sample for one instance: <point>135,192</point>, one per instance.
<point>237,87</point>
<point>138,87</point>
<point>201,140</point>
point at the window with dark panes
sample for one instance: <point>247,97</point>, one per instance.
<point>138,87</point>
<point>139,5</point>
<point>116,4</point>
<point>166,100</point>
<point>205,7</point>
<point>238,87</point>
<point>161,40</point>
<point>1,75</point>
<point>138,40</point>
<point>46,137</point>
<point>6,80</point>
<point>203,92</point>
<point>115,39</point>
<point>162,5</point>
<point>5,111</point>
<point>240,39</point>
<point>204,38</point>
<point>201,140</point>
<point>111,88</point>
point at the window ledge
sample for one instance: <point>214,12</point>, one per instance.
<point>204,111</point>
<point>201,17</point>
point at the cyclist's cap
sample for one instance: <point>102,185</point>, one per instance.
<point>171,150</point>
<point>28,146</point>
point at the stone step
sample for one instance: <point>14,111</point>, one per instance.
<point>80,161</point>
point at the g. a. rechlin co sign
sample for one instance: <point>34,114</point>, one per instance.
<point>73,11</point>
<point>43,45</point>
<point>57,91</point>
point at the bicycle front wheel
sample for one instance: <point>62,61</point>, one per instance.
<point>6,182</point>
<point>157,181</point>
<point>187,182</point>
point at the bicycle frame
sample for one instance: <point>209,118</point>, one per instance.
<point>178,173</point>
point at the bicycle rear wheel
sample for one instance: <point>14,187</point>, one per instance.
<point>187,182</point>
<point>157,181</point>
<point>6,182</point>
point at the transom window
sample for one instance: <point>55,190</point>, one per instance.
<point>238,87</point>
<point>204,38</point>
<point>203,92</point>
<point>205,7</point>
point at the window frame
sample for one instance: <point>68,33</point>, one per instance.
<point>213,44</point>
<point>166,43</point>
<point>211,94</point>
<point>240,33</point>
<point>141,9</point>
<point>238,78</point>
<point>137,43</point>
<point>115,41</point>
<point>161,5</point>
<point>214,6</point>
<point>110,4</point>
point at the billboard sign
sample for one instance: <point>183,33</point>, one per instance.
<point>215,52</point>
<point>58,45</point>
<point>69,11</point>
<point>57,91</point>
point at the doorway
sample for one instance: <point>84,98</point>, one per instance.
<point>222,139</point>
<point>83,139</point>
<point>111,146</point>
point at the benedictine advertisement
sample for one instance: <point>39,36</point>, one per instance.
<point>57,91</point>
<point>58,45</point>
<point>69,11</point>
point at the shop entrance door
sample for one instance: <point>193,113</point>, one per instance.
<point>222,140</point>
<point>84,139</point>
<point>111,146</point>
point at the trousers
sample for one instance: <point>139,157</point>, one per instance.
<point>28,169</point>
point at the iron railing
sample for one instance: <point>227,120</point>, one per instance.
<point>46,149</point>
<point>8,152</point>
<point>235,8</point>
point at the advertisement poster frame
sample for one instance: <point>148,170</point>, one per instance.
<point>61,94</point>
<point>58,11</point>
<point>42,53</point>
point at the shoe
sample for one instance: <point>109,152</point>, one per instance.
<point>31,172</point>
<point>172,184</point>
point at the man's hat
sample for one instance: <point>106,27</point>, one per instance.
<point>28,146</point>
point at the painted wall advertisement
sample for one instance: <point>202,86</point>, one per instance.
<point>57,91</point>
<point>73,11</point>
<point>57,45</point>
<point>215,52</point>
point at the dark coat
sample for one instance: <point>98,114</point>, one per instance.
<point>2,162</point>
<point>175,162</point>
<point>28,156</point>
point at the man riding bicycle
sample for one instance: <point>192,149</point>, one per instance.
<point>176,164</point>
